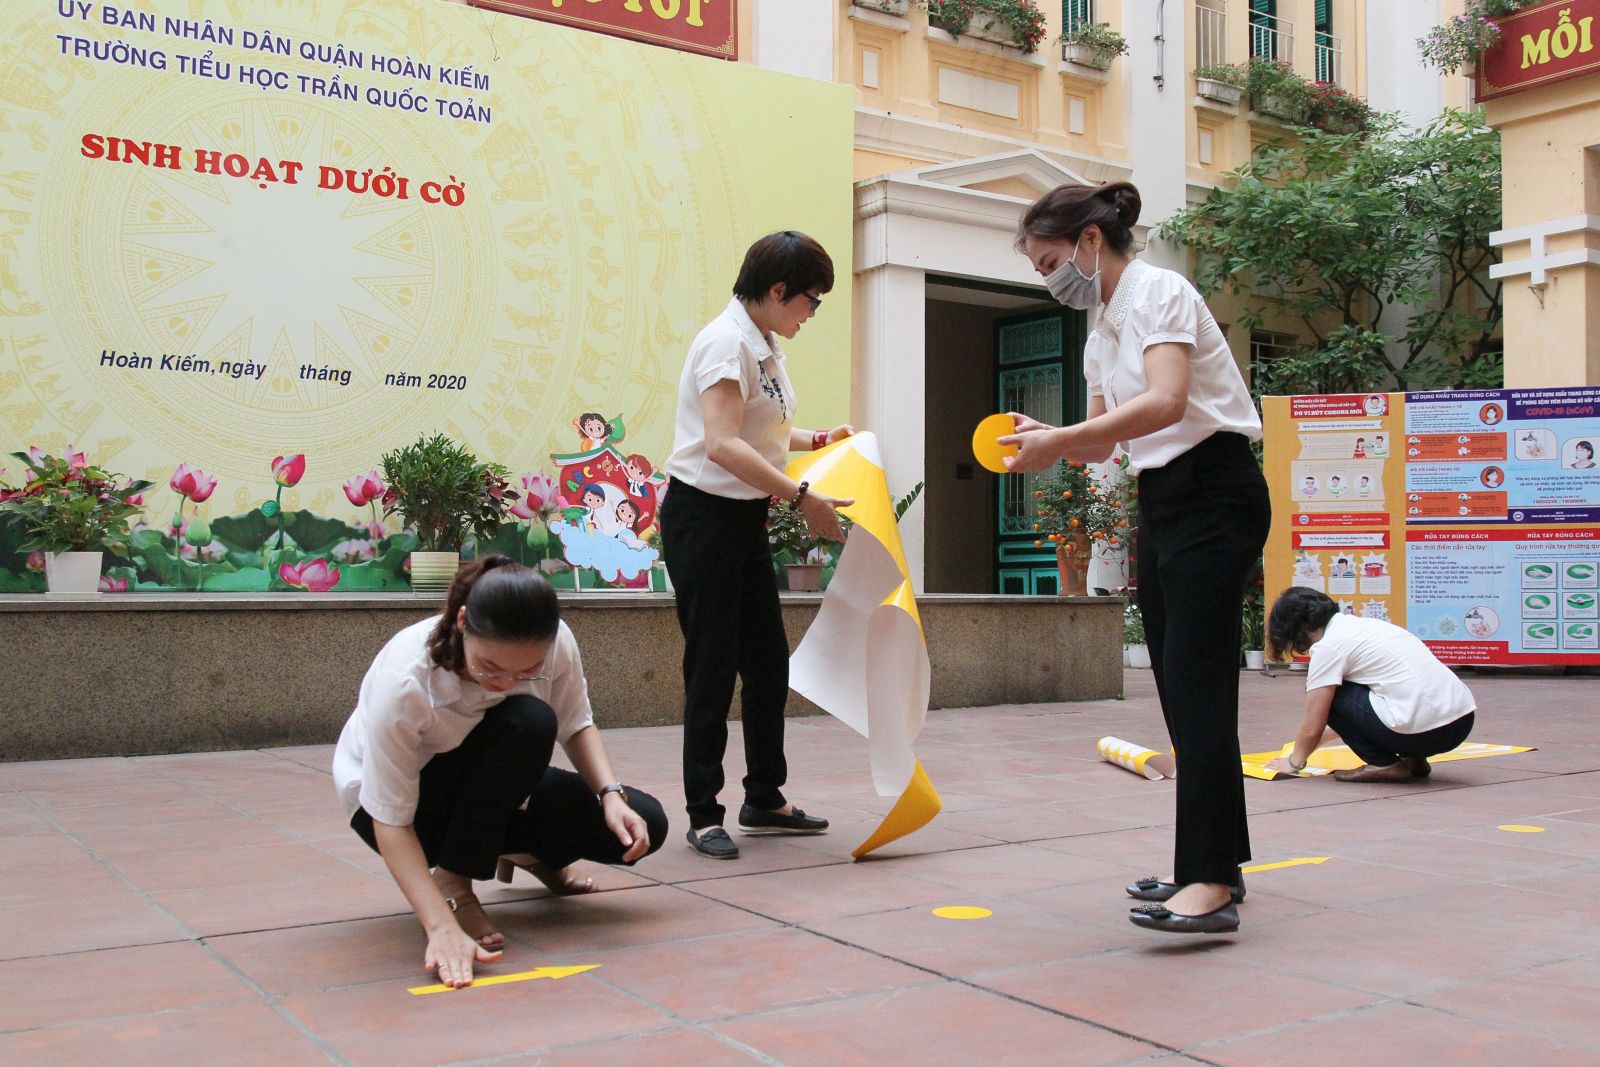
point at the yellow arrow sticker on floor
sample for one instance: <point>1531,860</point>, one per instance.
<point>502,979</point>
<point>1303,860</point>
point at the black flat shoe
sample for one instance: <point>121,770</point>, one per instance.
<point>1152,888</point>
<point>714,842</point>
<point>1223,920</point>
<point>755,821</point>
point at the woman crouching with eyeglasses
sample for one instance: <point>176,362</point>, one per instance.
<point>445,763</point>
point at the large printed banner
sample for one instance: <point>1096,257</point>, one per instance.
<point>232,232</point>
<point>1472,518</point>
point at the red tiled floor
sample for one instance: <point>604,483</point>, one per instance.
<point>938,1024</point>
<point>793,954</point>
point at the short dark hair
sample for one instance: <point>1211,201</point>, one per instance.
<point>786,258</point>
<point>505,601</point>
<point>1296,615</point>
<point>1064,212</point>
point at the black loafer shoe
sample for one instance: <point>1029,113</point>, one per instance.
<point>714,842</point>
<point>756,821</point>
<point>1224,920</point>
<point>1152,888</point>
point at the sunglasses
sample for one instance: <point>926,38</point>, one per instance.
<point>816,301</point>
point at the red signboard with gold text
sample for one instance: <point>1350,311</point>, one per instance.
<point>706,27</point>
<point>1539,45</point>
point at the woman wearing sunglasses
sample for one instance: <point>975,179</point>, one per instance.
<point>445,763</point>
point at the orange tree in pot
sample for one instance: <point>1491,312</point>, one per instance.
<point>1075,510</point>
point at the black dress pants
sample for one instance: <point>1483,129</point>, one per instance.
<point>1358,726</point>
<point>1203,519</point>
<point>727,596</point>
<point>471,807</point>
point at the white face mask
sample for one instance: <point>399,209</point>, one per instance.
<point>1071,286</point>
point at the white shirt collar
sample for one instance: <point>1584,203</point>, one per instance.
<point>1115,313</point>
<point>765,346</point>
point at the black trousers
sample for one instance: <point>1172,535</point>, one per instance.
<point>470,811</point>
<point>727,595</point>
<point>1203,519</point>
<point>1357,724</point>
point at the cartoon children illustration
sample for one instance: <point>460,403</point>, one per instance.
<point>594,428</point>
<point>637,469</point>
<point>1377,404</point>
<point>628,521</point>
<point>1309,486</point>
<point>1379,446</point>
<point>1361,449</point>
<point>1364,486</point>
<point>1336,486</point>
<point>593,498</point>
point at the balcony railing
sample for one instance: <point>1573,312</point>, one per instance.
<point>1271,37</point>
<point>1330,59</point>
<point>1210,32</point>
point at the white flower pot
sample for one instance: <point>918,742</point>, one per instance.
<point>1254,659</point>
<point>72,572</point>
<point>987,26</point>
<point>1084,56</point>
<point>1221,92</point>
<point>432,572</point>
<point>888,7</point>
<point>1280,107</point>
<point>1139,656</point>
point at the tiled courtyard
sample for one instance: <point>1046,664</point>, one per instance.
<point>214,909</point>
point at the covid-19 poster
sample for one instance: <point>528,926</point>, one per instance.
<point>231,232</point>
<point>1470,517</point>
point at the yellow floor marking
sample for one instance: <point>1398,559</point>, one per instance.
<point>502,979</point>
<point>962,912</point>
<point>1287,863</point>
<point>1518,828</point>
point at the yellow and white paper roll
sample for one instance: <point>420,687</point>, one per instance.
<point>1138,759</point>
<point>865,659</point>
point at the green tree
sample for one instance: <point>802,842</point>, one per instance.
<point>1334,229</point>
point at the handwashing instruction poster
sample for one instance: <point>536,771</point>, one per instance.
<point>1470,517</point>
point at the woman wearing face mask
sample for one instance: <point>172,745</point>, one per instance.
<point>1163,382</point>
<point>445,763</point>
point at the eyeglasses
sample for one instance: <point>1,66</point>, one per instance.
<point>505,676</point>
<point>816,301</point>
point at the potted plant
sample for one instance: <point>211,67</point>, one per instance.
<point>1077,510</point>
<point>1253,620</point>
<point>1093,44</point>
<point>1133,641</point>
<point>74,512</point>
<point>1013,23</point>
<point>447,496</point>
<point>1276,90</point>
<point>888,7</point>
<point>1337,111</point>
<point>1223,82</point>
<point>801,554</point>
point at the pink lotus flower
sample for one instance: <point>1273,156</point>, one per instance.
<point>75,460</point>
<point>108,584</point>
<point>354,551</point>
<point>363,489</point>
<point>539,497</point>
<point>192,482</point>
<point>36,561</point>
<point>376,531</point>
<point>313,575</point>
<point>288,470</point>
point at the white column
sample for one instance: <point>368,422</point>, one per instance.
<point>795,36</point>
<point>1397,80</point>
<point>891,383</point>
<point>1158,115</point>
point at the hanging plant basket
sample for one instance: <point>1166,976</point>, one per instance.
<point>1086,56</point>
<point>1280,106</point>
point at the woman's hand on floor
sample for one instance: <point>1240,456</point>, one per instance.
<point>452,953</point>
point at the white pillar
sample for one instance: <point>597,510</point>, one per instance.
<point>1158,115</point>
<point>1397,80</point>
<point>891,383</point>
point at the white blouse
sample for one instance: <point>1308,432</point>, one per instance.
<point>732,348</point>
<point>1412,692</point>
<point>410,710</point>
<point>1152,306</point>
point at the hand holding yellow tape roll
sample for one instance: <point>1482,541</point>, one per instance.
<point>865,659</point>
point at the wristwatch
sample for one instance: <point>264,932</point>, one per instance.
<point>614,787</point>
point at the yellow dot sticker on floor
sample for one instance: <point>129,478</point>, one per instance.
<point>962,911</point>
<point>1518,828</point>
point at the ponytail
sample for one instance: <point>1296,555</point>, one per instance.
<point>1065,211</point>
<point>503,600</point>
